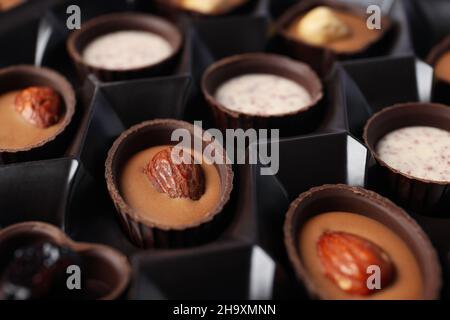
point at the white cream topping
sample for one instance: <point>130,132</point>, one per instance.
<point>124,50</point>
<point>262,94</point>
<point>421,152</point>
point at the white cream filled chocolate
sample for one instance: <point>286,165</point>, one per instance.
<point>125,50</point>
<point>418,151</point>
<point>262,94</point>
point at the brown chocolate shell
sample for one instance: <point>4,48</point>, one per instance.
<point>142,232</point>
<point>328,198</point>
<point>23,76</point>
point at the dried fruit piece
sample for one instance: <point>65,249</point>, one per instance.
<point>178,180</point>
<point>346,258</point>
<point>36,272</point>
<point>40,106</point>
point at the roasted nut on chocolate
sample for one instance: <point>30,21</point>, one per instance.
<point>321,26</point>
<point>346,257</point>
<point>41,106</point>
<point>184,180</point>
<point>203,6</point>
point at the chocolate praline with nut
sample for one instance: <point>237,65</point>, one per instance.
<point>167,196</point>
<point>321,31</point>
<point>350,243</point>
<point>178,180</point>
<point>36,107</point>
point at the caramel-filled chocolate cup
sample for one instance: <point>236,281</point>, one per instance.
<point>318,57</point>
<point>343,198</point>
<point>22,76</point>
<point>106,24</point>
<point>303,120</point>
<point>441,88</point>
<point>102,265</point>
<point>143,232</point>
<point>418,194</point>
<point>174,7</point>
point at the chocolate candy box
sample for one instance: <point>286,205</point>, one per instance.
<point>66,188</point>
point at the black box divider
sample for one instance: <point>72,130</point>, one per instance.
<point>85,97</point>
<point>91,9</point>
<point>403,44</point>
<point>244,221</point>
<point>102,129</point>
<point>233,35</point>
<point>278,7</point>
<point>227,270</point>
<point>301,168</point>
<point>118,106</point>
<point>385,81</point>
<point>19,52</point>
<point>438,231</point>
<point>213,271</point>
<point>36,191</point>
<point>429,23</point>
<point>185,65</point>
<point>51,50</point>
<point>334,115</point>
<point>140,100</point>
<point>271,204</point>
<point>91,216</point>
<point>422,37</point>
<point>356,105</point>
<point>392,80</point>
<point>201,57</point>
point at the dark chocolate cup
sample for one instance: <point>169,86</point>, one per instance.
<point>318,57</point>
<point>103,267</point>
<point>328,198</point>
<point>23,76</point>
<point>421,195</point>
<point>124,21</point>
<point>304,120</point>
<point>173,8</point>
<point>142,232</point>
<point>441,88</point>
